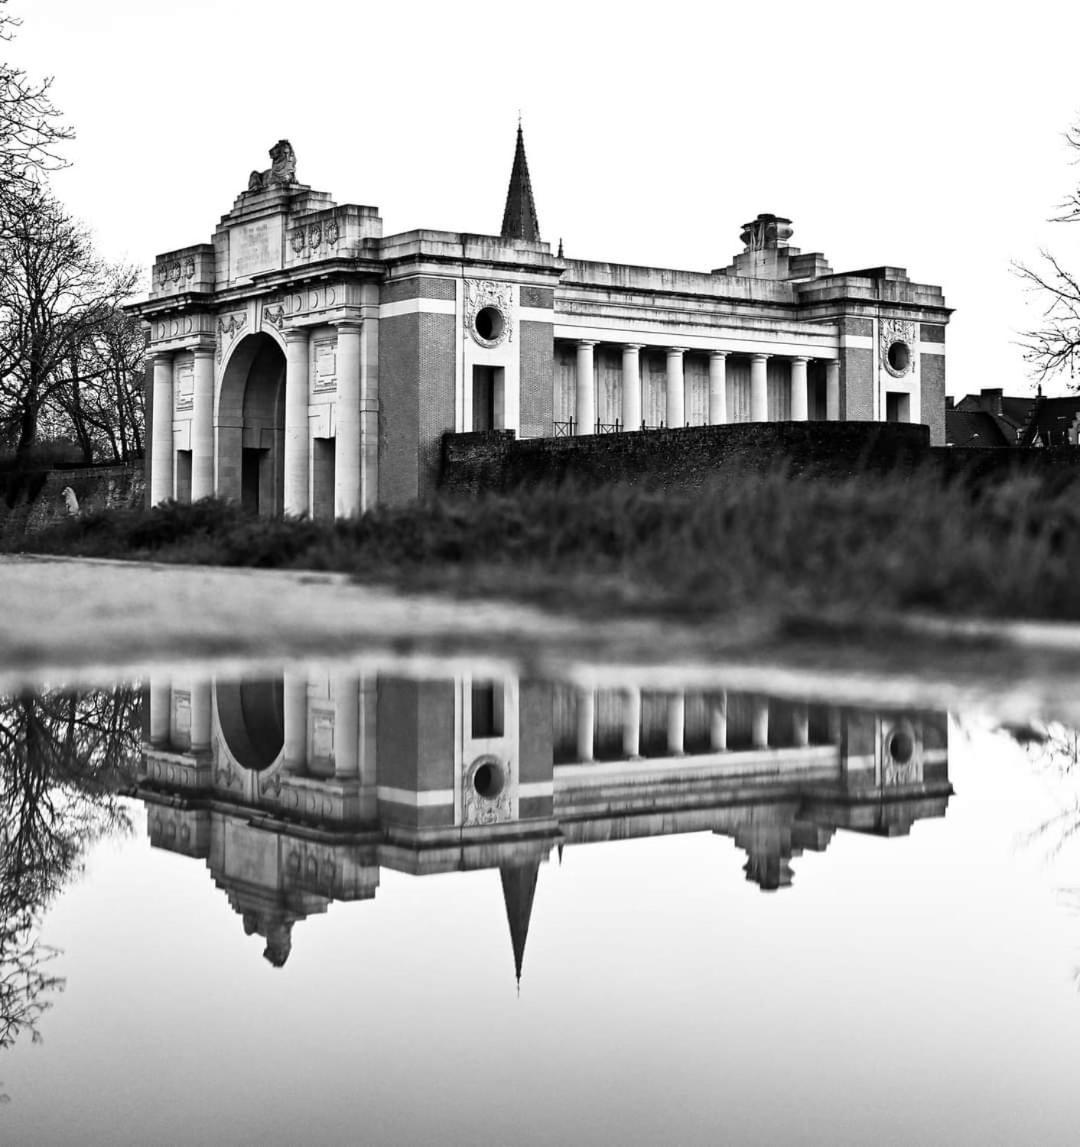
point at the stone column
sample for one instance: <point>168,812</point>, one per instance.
<point>586,724</point>
<point>759,723</point>
<point>346,727</point>
<point>718,387</point>
<point>160,710</point>
<point>676,724</point>
<point>586,390</point>
<point>759,388</point>
<point>369,406</point>
<point>832,390</point>
<point>718,723</point>
<point>631,386</point>
<point>296,721</point>
<point>347,447</point>
<point>202,425</point>
<point>801,726</point>
<point>800,399</point>
<point>200,716</point>
<point>676,387</point>
<point>631,738</point>
<point>297,441</point>
<point>161,470</point>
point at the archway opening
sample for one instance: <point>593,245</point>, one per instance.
<point>251,426</point>
<point>251,715</point>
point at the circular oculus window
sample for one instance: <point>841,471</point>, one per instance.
<point>898,357</point>
<point>488,778</point>
<point>901,747</point>
<point>489,325</point>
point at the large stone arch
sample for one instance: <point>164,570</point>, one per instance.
<point>251,718</point>
<point>251,425</point>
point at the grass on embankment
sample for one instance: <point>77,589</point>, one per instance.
<point>779,543</point>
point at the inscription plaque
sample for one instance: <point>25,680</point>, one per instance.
<point>255,247</point>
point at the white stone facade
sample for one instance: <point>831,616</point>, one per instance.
<point>305,364</point>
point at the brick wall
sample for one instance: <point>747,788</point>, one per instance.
<point>537,371</point>
<point>932,388</point>
<point>684,458</point>
<point>857,384</point>
<point>36,499</point>
<point>399,368</point>
<point>416,397</point>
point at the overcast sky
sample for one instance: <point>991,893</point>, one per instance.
<point>928,135</point>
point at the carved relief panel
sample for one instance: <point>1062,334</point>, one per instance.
<point>488,313</point>
<point>897,344</point>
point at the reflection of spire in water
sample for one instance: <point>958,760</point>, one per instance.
<point>519,887</point>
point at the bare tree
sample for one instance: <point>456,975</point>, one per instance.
<point>1053,346</point>
<point>99,399</point>
<point>56,296</point>
<point>31,130</point>
<point>63,758</point>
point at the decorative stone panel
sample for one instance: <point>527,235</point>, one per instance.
<point>485,297</point>
<point>898,333</point>
<point>486,791</point>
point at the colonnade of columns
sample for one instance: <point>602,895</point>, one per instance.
<point>676,724</point>
<point>356,416</point>
<point>585,420</point>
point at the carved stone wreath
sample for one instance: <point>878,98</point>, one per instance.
<point>898,331</point>
<point>481,293</point>
<point>478,809</point>
<point>895,772</point>
<point>228,330</point>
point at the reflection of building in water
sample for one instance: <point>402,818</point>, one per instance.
<point>296,791</point>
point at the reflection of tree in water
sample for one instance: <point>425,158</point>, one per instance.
<point>1054,750</point>
<point>64,756</point>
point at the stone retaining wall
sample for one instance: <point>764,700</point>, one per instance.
<point>685,458</point>
<point>31,501</point>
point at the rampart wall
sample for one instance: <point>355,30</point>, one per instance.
<point>686,458</point>
<point>30,501</point>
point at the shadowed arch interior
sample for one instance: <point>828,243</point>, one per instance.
<point>251,426</point>
<point>251,713</point>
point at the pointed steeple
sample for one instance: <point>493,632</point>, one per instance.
<point>519,218</point>
<point>519,887</point>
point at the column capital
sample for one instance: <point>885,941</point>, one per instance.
<point>163,356</point>
<point>204,350</point>
<point>800,358</point>
<point>295,334</point>
<point>348,324</point>
<point>676,349</point>
<point>760,356</point>
<point>719,353</point>
<point>586,342</point>
<point>633,346</point>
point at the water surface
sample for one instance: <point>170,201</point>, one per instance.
<point>327,906</point>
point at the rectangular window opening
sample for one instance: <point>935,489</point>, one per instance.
<point>488,409</point>
<point>487,709</point>
<point>322,478</point>
<point>183,476</point>
<point>897,407</point>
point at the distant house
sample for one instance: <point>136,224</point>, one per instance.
<point>992,419</point>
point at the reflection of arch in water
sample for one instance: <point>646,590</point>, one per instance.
<point>251,715</point>
<point>251,426</point>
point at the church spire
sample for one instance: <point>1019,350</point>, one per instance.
<point>519,218</point>
<point>519,887</point>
